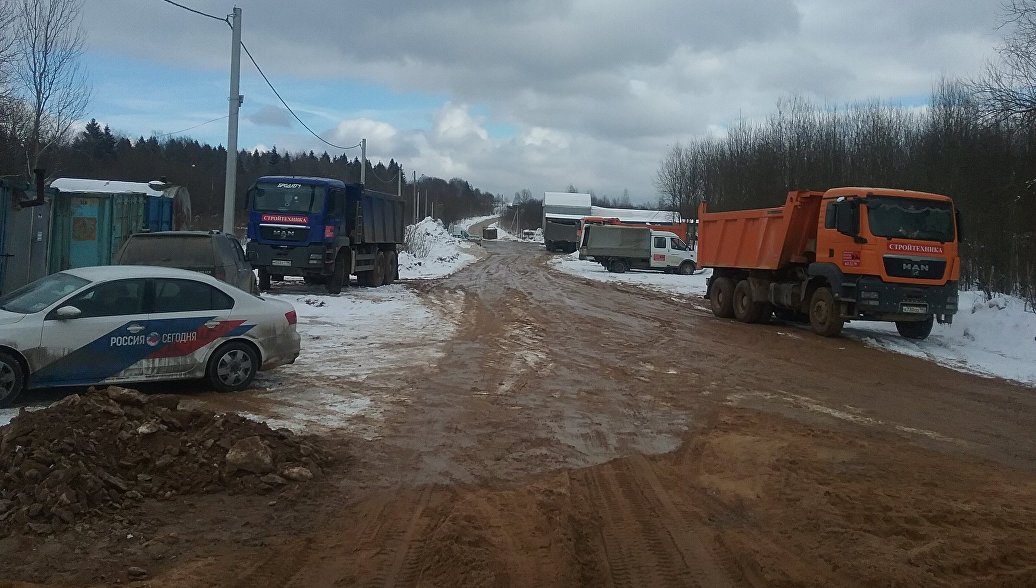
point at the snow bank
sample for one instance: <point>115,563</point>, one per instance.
<point>430,252</point>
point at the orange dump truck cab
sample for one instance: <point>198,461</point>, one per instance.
<point>836,256</point>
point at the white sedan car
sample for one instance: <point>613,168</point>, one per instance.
<point>116,324</point>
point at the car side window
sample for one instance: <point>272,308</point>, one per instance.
<point>177,295</point>
<point>660,243</point>
<point>117,297</point>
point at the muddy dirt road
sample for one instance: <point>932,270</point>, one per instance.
<point>577,433</point>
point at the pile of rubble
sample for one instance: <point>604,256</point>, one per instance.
<point>106,450</point>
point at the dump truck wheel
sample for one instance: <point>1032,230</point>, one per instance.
<point>686,268</point>
<point>823,313</point>
<point>339,276</point>
<point>377,275</point>
<point>618,266</point>
<point>12,379</point>
<point>745,309</point>
<point>264,279</point>
<point>917,330</point>
<point>391,267</point>
<point>721,297</point>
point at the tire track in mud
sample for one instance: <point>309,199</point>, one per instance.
<point>643,540</point>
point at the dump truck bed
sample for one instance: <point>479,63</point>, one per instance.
<point>763,238</point>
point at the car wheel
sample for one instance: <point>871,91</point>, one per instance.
<point>232,367</point>
<point>686,268</point>
<point>618,266</point>
<point>12,379</point>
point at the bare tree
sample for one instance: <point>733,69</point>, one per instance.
<point>1008,88</point>
<point>7,19</point>
<point>48,44</point>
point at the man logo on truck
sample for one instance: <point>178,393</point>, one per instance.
<point>915,268</point>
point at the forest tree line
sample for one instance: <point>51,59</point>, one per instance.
<point>98,153</point>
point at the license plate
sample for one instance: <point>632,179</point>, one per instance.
<point>282,262</point>
<point>915,308</point>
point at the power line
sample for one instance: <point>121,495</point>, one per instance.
<point>189,9</point>
<point>278,94</point>
<point>194,127</point>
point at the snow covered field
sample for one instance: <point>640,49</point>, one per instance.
<point>994,338</point>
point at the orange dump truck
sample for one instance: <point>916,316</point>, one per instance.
<point>836,256</point>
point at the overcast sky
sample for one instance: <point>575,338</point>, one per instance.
<point>513,94</point>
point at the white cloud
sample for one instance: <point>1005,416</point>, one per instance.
<point>594,90</point>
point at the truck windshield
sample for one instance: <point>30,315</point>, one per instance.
<point>910,218</point>
<point>288,198</point>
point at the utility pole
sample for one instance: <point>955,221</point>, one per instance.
<point>363,161</point>
<point>399,182</point>
<point>417,202</point>
<point>230,188</point>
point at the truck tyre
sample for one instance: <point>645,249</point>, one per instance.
<point>232,367</point>
<point>264,279</point>
<point>377,275</point>
<point>618,266</point>
<point>12,379</point>
<point>391,267</point>
<point>745,309</point>
<point>339,276</point>
<point>721,297</point>
<point>823,313</point>
<point>917,330</point>
<point>686,268</point>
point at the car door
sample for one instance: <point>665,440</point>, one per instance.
<point>677,252</point>
<point>106,342</point>
<point>659,250</point>
<point>188,318</point>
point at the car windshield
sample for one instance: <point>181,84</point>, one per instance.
<point>284,197</point>
<point>42,293</point>
<point>910,218</point>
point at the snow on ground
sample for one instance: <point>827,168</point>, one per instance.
<point>432,252</point>
<point>503,234</point>
<point>994,338</point>
<point>467,223</point>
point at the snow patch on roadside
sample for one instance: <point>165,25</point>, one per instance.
<point>435,253</point>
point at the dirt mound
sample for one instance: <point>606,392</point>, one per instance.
<point>107,450</point>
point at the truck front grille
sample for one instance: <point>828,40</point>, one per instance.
<point>283,233</point>
<point>925,268</point>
